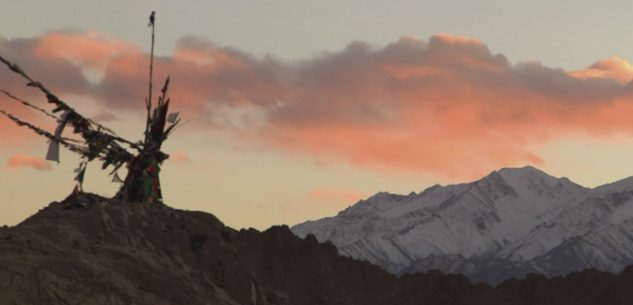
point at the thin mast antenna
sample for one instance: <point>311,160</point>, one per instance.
<point>148,102</point>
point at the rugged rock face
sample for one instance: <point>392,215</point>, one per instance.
<point>92,250</point>
<point>309,273</point>
<point>119,253</point>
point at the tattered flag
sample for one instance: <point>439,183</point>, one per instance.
<point>172,117</point>
<point>116,178</point>
<point>80,177</point>
<point>53,149</point>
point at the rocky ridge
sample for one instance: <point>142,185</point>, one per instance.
<point>92,250</point>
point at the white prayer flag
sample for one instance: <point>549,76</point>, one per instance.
<point>53,149</point>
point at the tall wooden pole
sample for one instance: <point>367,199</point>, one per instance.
<point>148,102</point>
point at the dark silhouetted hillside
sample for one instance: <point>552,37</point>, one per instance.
<point>92,250</point>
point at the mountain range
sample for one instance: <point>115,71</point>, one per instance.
<point>510,223</point>
<point>92,250</point>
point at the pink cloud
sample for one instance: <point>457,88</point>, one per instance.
<point>179,156</point>
<point>18,161</point>
<point>447,105</point>
<point>104,116</point>
<point>84,48</point>
<point>611,68</point>
<point>334,196</point>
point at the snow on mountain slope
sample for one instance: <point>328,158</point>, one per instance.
<point>607,249</point>
<point>594,214</point>
<point>623,185</point>
<point>473,220</point>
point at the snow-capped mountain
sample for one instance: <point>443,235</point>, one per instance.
<point>512,222</point>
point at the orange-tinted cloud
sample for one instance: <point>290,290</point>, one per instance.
<point>447,105</point>
<point>179,156</point>
<point>87,49</point>
<point>103,117</point>
<point>334,196</point>
<point>22,161</point>
<point>11,134</point>
<point>60,75</point>
<point>611,68</point>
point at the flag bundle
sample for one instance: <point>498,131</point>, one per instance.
<point>142,183</point>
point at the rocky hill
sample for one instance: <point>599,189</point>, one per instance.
<point>91,250</point>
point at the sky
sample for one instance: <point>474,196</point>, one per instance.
<point>299,109</point>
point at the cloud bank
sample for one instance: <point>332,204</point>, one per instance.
<point>23,161</point>
<point>447,106</point>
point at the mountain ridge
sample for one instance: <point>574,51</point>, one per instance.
<point>96,251</point>
<point>487,220</point>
